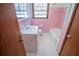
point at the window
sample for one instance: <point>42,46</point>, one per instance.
<point>29,10</point>
<point>23,10</point>
<point>40,10</point>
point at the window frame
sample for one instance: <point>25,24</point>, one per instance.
<point>19,11</point>
<point>40,17</point>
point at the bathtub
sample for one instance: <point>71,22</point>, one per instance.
<point>56,33</point>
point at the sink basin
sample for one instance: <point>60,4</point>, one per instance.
<point>30,30</point>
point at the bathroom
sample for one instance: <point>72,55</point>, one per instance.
<point>41,26</point>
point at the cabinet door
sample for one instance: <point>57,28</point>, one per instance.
<point>30,42</point>
<point>71,46</point>
<point>10,37</point>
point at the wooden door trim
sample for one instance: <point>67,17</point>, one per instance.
<point>70,23</point>
<point>10,33</point>
<point>20,36</point>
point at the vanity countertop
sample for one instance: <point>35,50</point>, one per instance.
<point>30,30</point>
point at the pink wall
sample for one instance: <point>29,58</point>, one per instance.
<point>55,19</point>
<point>23,23</point>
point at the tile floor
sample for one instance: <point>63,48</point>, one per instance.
<point>46,46</point>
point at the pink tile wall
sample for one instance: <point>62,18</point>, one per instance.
<point>55,20</point>
<point>23,23</point>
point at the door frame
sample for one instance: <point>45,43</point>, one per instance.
<point>68,28</point>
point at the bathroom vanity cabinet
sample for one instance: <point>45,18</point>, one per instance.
<point>30,42</point>
<point>29,37</point>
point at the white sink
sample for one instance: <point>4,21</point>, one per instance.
<point>30,30</point>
